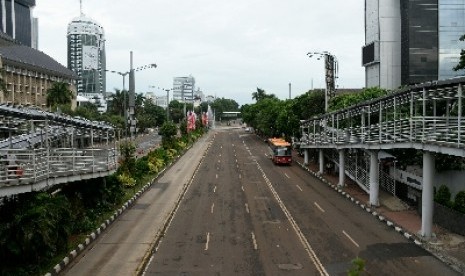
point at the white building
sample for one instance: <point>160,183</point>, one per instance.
<point>86,57</point>
<point>183,89</point>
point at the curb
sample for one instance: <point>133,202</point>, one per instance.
<point>367,208</point>
<point>94,235</point>
<point>445,259</point>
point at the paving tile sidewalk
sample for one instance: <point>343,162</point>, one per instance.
<point>445,245</point>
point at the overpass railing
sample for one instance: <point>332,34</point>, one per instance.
<point>29,166</point>
<point>430,114</point>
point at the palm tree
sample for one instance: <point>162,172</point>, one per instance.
<point>117,102</point>
<point>59,93</point>
<point>259,95</point>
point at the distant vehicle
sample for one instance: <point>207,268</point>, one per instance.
<point>281,151</point>
<point>247,129</point>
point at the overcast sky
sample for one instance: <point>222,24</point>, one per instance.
<point>230,47</point>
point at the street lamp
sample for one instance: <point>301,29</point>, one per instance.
<point>167,100</point>
<point>331,70</point>
<point>124,74</point>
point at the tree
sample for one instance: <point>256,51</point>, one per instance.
<point>221,105</point>
<point>261,94</point>
<point>168,132</point>
<point>59,94</point>
<point>116,104</point>
<point>461,64</point>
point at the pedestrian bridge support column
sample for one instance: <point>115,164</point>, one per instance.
<point>427,205</point>
<point>374,178</point>
<point>342,168</point>
<point>321,161</point>
<point>306,157</point>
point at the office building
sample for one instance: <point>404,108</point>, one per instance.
<point>27,74</point>
<point>86,56</point>
<point>408,42</point>
<point>17,21</point>
<point>183,89</point>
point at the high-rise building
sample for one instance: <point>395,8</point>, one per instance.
<point>17,21</point>
<point>86,56</point>
<point>183,89</point>
<point>411,41</point>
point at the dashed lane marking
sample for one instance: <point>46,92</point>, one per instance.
<point>350,238</point>
<point>208,240</point>
<point>319,207</point>
<point>298,187</point>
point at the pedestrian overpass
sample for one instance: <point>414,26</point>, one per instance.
<point>426,117</point>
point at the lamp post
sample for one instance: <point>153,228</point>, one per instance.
<point>167,105</point>
<point>167,100</point>
<point>124,99</point>
<point>124,74</point>
<point>331,70</point>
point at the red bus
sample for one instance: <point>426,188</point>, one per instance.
<point>281,152</point>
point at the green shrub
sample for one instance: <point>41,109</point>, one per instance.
<point>442,196</point>
<point>459,203</point>
<point>358,266</point>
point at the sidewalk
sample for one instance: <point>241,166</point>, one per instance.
<point>445,245</point>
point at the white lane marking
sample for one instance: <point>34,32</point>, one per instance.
<point>311,253</point>
<point>216,176</point>
<point>247,208</point>
<point>350,238</point>
<point>298,187</point>
<point>213,206</point>
<point>240,176</point>
<point>255,246</point>
<point>219,161</point>
<point>208,240</point>
<point>242,187</point>
<point>319,207</point>
<point>214,189</point>
<point>287,175</point>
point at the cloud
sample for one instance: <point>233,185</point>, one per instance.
<point>230,47</point>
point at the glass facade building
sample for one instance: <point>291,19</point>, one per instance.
<point>86,56</point>
<point>17,21</point>
<point>451,28</point>
<point>419,42</point>
<point>427,49</point>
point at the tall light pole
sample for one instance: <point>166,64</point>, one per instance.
<point>131,95</point>
<point>331,70</point>
<point>124,98</point>
<point>167,105</point>
<point>167,100</point>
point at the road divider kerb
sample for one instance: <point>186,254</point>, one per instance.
<point>94,235</point>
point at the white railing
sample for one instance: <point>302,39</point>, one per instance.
<point>28,166</point>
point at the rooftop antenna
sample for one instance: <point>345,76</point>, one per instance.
<point>80,7</point>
